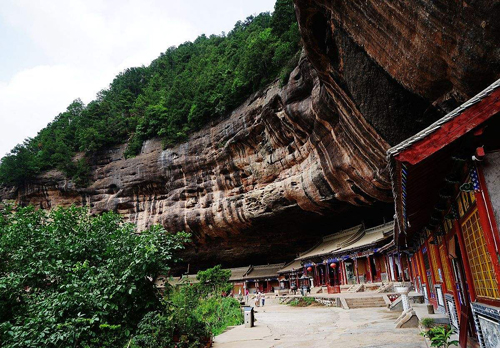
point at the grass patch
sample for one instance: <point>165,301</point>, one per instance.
<point>302,302</point>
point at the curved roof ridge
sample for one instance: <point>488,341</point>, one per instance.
<point>342,232</point>
<point>354,238</point>
<point>374,229</point>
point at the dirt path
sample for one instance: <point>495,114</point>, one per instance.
<point>285,326</point>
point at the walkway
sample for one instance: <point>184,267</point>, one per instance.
<point>286,326</point>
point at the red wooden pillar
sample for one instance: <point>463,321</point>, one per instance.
<point>401,268</point>
<point>394,265</point>
<point>468,273</point>
<point>343,272</point>
<point>388,268</point>
<point>452,278</point>
<point>356,268</point>
<point>370,275</point>
<point>410,271</point>
<point>327,274</point>
<point>423,274</point>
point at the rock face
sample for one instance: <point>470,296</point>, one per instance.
<point>404,63</point>
<point>241,186</point>
<point>308,158</point>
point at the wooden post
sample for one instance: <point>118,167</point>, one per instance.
<point>356,268</point>
<point>401,268</point>
<point>452,280</point>
<point>370,275</point>
<point>394,267</point>
<point>388,268</point>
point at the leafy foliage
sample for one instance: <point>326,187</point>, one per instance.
<point>427,322</point>
<point>191,312</point>
<point>71,280</point>
<point>440,336</point>
<point>302,302</point>
<point>183,89</point>
<point>214,281</point>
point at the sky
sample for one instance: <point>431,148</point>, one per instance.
<point>55,51</point>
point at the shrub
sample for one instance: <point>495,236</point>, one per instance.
<point>427,322</point>
<point>219,312</point>
<point>302,302</point>
<point>440,336</point>
<point>69,279</point>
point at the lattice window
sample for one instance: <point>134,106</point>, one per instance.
<point>435,264</point>
<point>446,268</point>
<point>465,199</point>
<point>479,259</point>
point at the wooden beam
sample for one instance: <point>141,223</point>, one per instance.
<point>450,131</point>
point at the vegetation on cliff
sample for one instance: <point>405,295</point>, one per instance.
<point>71,280</point>
<point>183,89</point>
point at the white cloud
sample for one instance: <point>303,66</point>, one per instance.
<point>83,44</point>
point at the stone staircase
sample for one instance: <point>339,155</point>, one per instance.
<point>365,302</point>
<point>356,288</point>
<point>319,290</point>
<point>385,288</point>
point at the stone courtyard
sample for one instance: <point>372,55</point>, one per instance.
<point>317,326</point>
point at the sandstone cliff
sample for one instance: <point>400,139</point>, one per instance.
<point>308,158</point>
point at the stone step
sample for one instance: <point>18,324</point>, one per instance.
<point>365,302</point>
<point>372,299</point>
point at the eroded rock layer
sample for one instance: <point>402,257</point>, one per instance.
<point>301,150</point>
<point>404,63</point>
<point>308,158</point>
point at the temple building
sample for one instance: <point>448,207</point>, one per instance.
<point>237,279</point>
<point>351,256</point>
<point>446,185</point>
<point>291,276</point>
<point>262,278</point>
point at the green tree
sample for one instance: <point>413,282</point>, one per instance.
<point>69,279</point>
<point>182,90</point>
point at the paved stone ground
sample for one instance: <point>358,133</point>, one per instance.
<point>281,326</point>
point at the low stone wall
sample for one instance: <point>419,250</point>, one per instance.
<point>329,302</point>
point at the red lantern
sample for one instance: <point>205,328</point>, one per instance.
<point>333,265</point>
<point>309,269</point>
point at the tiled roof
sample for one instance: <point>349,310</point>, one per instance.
<point>371,236</point>
<point>291,266</point>
<point>349,240</point>
<point>333,242</point>
<point>184,279</point>
<point>264,271</point>
<point>238,273</point>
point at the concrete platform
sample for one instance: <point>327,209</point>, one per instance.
<point>421,312</point>
<point>282,326</point>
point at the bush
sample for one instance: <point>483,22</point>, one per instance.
<point>219,312</point>
<point>302,302</point>
<point>69,279</point>
<point>427,322</point>
<point>440,336</point>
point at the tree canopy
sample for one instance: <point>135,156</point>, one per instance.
<point>71,280</point>
<point>179,92</point>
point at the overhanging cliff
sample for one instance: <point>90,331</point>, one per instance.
<point>308,158</point>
